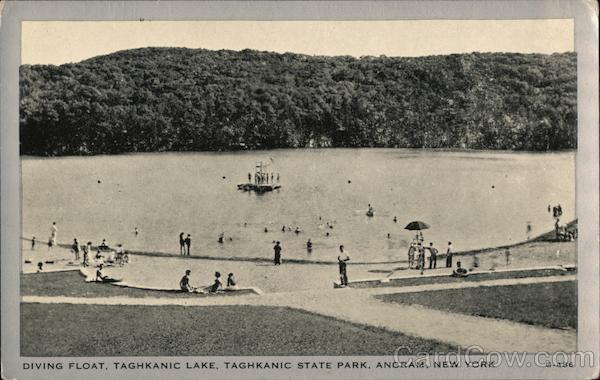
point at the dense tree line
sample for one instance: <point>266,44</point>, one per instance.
<point>176,99</point>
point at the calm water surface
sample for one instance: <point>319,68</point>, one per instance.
<point>474,199</point>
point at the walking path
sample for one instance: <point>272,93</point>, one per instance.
<point>361,306</point>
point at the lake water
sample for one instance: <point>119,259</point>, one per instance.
<point>474,199</point>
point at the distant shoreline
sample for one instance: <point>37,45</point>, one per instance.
<point>218,152</point>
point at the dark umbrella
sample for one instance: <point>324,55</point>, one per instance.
<point>416,226</point>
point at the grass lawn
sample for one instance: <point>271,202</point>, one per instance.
<point>94,330</point>
<point>72,284</point>
<point>552,304</point>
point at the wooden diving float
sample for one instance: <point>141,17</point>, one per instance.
<point>261,188</point>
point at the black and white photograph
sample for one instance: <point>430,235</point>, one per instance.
<point>399,193</point>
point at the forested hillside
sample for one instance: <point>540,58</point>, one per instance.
<point>176,99</point>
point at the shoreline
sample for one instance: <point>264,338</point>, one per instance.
<point>542,238</point>
<point>308,149</point>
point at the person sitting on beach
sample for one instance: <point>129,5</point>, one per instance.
<point>184,283</point>
<point>103,244</point>
<point>221,237</point>
<point>217,285</point>
<point>231,282</point>
<point>283,229</point>
<point>459,271</point>
<point>297,230</point>
<point>40,266</point>
<point>98,255</point>
<point>99,276</point>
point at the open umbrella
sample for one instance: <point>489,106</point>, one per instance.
<point>416,226</point>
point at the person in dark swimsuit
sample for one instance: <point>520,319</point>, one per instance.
<point>181,244</point>
<point>217,285</point>
<point>277,251</point>
<point>184,283</point>
<point>188,243</point>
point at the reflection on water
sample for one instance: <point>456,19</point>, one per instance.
<point>472,199</point>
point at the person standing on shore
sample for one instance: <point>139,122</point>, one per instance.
<point>421,258</point>
<point>411,255</point>
<point>181,244</point>
<point>188,243</point>
<point>33,243</point>
<point>343,268</point>
<point>86,251</point>
<point>277,252</point>
<point>507,256</point>
<point>75,248</point>
<point>449,255</point>
<point>432,256</point>
<point>53,233</point>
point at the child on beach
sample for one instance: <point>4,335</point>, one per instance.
<point>231,282</point>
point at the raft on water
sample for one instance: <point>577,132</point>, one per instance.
<point>259,188</point>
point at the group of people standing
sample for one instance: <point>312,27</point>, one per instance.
<point>260,177</point>
<point>185,244</point>
<point>417,251</point>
